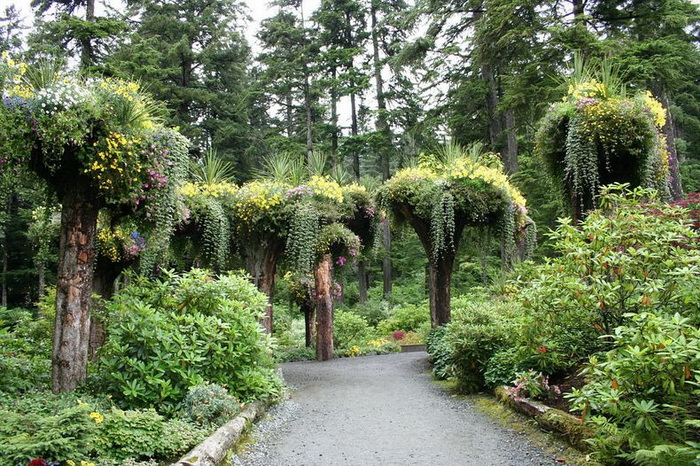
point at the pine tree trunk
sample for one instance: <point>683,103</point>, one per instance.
<point>669,130</point>
<point>87,54</point>
<point>510,156</point>
<point>74,288</point>
<point>334,117</point>
<point>324,309</point>
<point>362,283</point>
<point>5,252</point>
<point>384,131</point>
<point>386,261</point>
<point>290,116</point>
<point>495,126</point>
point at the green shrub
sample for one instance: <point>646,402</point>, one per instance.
<point>130,434</point>
<point>70,433</point>
<point>25,348</point>
<point>632,255</point>
<point>210,404</point>
<point>440,353</point>
<point>406,317</point>
<point>374,311</point>
<point>643,394</point>
<point>350,329</point>
<point>503,367</point>
<point>168,335</point>
<point>179,437</point>
<point>477,331</point>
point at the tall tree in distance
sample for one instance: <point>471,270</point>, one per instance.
<point>73,28</point>
<point>191,54</point>
<point>285,79</point>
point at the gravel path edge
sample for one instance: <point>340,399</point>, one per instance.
<point>572,428</point>
<point>213,450</point>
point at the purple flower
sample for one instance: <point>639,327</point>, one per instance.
<point>341,261</point>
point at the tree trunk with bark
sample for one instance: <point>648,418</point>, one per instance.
<point>74,286</point>
<point>87,53</point>
<point>323,276</point>
<point>261,263</point>
<point>387,275</point>
<point>669,130</point>
<point>440,280</point>
<point>308,310</point>
<point>5,251</point>
<point>385,134</point>
<point>439,270</point>
<point>510,155</point>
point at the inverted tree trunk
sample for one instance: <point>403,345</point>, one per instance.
<point>74,287</point>
<point>386,261</point>
<point>308,324</point>
<point>323,275</point>
<point>261,263</point>
<point>440,280</point>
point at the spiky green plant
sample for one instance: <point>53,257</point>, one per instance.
<point>213,170</point>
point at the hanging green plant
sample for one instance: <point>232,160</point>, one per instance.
<point>303,237</point>
<point>442,196</point>
<point>598,135</point>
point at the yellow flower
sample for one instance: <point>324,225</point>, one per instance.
<point>657,110</point>
<point>97,417</point>
<point>325,187</point>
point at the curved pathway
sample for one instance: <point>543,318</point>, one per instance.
<point>379,410</point>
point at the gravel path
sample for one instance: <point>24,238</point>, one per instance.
<point>379,410</point>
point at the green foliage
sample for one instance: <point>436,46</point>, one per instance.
<point>69,433</point>
<point>645,390</point>
<point>350,329</point>
<point>210,404</point>
<point>477,331</point>
<point>81,427</point>
<point>130,434</point>
<point>628,257</point>
<point>25,351</point>
<point>440,353</point>
<point>597,137</point>
<point>406,317</point>
<point>182,330</point>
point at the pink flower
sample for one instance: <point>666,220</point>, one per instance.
<point>341,261</point>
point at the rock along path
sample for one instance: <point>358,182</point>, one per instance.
<point>379,410</point>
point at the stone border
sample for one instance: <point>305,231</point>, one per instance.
<point>213,450</point>
<point>571,427</point>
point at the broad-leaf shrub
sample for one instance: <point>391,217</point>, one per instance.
<point>350,329</point>
<point>479,328</point>
<point>171,334</point>
<point>644,393</point>
<point>406,317</point>
<point>632,255</point>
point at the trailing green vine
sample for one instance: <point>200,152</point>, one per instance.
<point>598,135</point>
<point>442,225</point>
<point>303,237</point>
